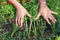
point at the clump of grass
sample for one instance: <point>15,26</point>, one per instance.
<point>37,28</point>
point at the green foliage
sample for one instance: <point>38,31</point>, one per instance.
<point>32,27</point>
<point>57,38</point>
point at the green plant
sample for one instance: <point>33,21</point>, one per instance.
<point>7,13</point>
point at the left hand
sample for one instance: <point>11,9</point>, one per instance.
<point>47,14</point>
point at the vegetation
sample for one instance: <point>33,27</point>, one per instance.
<point>33,30</point>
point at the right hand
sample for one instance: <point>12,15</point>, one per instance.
<point>20,13</point>
<point>47,14</point>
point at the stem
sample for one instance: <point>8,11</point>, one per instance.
<point>15,29</point>
<point>30,25</point>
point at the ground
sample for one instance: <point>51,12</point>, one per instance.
<point>34,30</point>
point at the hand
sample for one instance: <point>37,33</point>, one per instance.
<point>47,14</point>
<point>20,13</point>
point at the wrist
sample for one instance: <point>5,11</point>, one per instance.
<point>42,2</point>
<point>15,3</point>
<point>43,5</point>
<point>19,7</point>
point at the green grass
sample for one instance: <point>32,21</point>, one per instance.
<point>33,29</point>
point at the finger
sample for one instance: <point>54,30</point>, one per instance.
<point>48,21</point>
<point>21,24</point>
<point>53,12</point>
<point>28,14</point>
<point>16,21</point>
<point>53,18</point>
<point>38,16</point>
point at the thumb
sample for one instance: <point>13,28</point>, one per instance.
<point>28,14</point>
<point>39,14</point>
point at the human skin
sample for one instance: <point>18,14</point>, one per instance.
<point>8,2</point>
<point>20,13</point>
<point>43,11</point>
